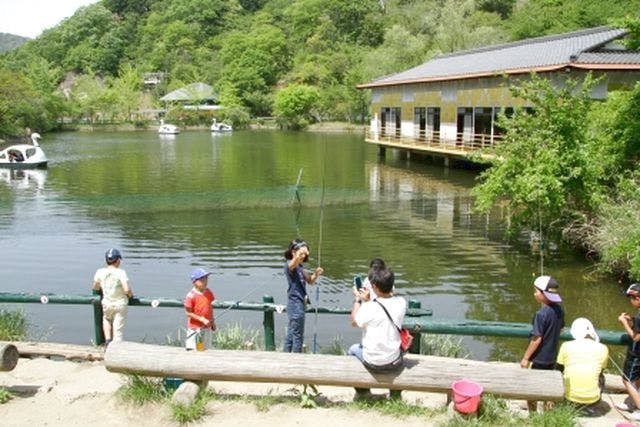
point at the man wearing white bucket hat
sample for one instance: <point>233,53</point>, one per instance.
<point>582,362</point>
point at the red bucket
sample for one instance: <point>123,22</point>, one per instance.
<point>466,396</point>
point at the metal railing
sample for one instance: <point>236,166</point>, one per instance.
<point>463,142</point>
<point>268,307</point>
<point>417,319</point>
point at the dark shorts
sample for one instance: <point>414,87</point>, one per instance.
<point>543,366</point>
<point>631,370</point>
<point>393,366</point>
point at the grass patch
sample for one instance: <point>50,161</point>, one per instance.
<point>443,346</point>
<point>13,325</point>
<point>394,407</point>
<point>236,337</point>
<point>335,347</point>
<point>494,411</point>
<point>141,390</point>
<point>5,395</point>
<point>188,413</point>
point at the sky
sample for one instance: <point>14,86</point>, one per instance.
<point>28,18</point>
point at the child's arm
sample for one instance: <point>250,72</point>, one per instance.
<point>531,348</point>
<point>196,317</point>
<point>626,320</point>
<point>96,286</point>
<point>127,289</point>
<point>311,278</point>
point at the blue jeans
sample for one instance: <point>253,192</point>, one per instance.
<point>356,350</point>
<point>295,335</point>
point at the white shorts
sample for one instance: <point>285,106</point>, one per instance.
<point>190,342</point>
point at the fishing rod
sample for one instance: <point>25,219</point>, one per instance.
<point>541,242</point>
<point>321,221</point>
<point>234,305</point>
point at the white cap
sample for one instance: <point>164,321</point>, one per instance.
<point>582,328</point>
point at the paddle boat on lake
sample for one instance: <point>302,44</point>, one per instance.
<point>168,129</point>
<point>24,155</point>
<point>220,127</point>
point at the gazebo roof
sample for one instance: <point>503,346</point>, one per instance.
<point>193,92</point>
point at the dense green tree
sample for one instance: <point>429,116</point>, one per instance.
<point>546,174</point>
<point>21,107</point>
<point>294,106</point>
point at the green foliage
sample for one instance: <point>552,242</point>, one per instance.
<point>13,325</point>
<point>308,396</point>
<point>443,346</point>
<point>5,395</point>
<point>616,238</point>
<point>546,175</point>
<point>294,106</point>
<point>141,390</point>
<point>495,412</point>
<point>253,48</point>
<point>235,337</point>
<point>335,347</point>
<point>538,18</point>
<point>184,414</point>
<point>394,407</point>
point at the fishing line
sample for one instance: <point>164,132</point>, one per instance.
<point>321,221</point>
<point>235,304</point>
<point>541,243</point>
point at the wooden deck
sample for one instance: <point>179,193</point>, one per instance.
<point>478,145</point>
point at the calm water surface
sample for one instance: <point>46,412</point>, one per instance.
<point>227,203</point>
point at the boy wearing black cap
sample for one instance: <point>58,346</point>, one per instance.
<point>631,370</point>
<point>542,351</point>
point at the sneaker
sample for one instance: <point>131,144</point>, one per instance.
<point>624,406</point>
<point>635,415</point>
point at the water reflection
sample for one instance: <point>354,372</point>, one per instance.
<point>228,203</point>
<point>23,178</point>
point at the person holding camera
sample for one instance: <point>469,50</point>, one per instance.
<point>378,312</point>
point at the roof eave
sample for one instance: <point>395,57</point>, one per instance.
<point>513,71</point>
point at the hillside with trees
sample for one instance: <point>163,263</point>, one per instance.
<point>300,61</point>
<point>11,41</point>
<point>297,60</point>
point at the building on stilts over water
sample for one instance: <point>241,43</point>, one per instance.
<point>448,106</point>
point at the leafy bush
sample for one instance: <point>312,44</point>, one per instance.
<point>13,325</point>
<point>235,337</point>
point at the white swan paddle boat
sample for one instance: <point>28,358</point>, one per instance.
<point>220,127</point>
<point>167,129</point>
<point>24,155</point>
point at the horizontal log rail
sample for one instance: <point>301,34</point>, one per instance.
<point>421,373</point>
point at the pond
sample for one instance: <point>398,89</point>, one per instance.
<point>229,203</point>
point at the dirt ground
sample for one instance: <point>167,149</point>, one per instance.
<point>61,393</point>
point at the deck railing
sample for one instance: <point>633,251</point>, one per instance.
<point>418,320</point>
<point>462,142</point>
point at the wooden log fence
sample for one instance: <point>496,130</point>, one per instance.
<point>421,373</point>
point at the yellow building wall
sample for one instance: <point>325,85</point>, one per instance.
<point>485,92</point>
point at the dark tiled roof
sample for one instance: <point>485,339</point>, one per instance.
<point>579,47</point>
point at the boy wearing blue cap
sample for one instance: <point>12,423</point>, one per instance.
<point>198,302</point>
<point>113,282</point>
